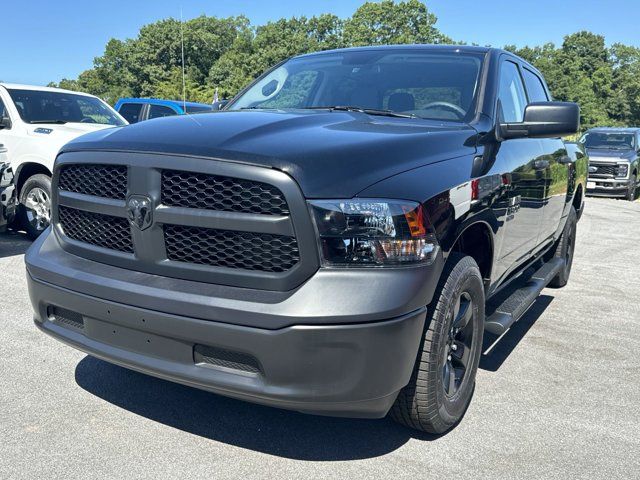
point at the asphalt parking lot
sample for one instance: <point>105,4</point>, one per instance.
<point>557,397</point>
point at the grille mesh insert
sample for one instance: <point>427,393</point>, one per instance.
<point>96,229</point>
<point>606,170</point>
<point>108,181</point>
<point>66,317</point>
<point>213,192</point>
<point>230,249</point>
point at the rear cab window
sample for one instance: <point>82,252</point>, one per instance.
<point>131,111</point>
<point>535,87</point>
<point>159,111</point>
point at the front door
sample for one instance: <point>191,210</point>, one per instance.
<point>523,175</point>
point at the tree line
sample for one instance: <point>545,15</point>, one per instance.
<point>227,53</point>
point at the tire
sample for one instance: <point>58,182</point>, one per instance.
<point>430,402</point>
<point>34,209</point>
<point>565,249</point>
<point>631,194</point>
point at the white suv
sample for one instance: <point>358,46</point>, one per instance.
<point>35,122</point>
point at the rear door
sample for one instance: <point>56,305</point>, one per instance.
<point>556,170</point>
<point>131,111</point>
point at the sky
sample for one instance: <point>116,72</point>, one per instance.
<point>46,40</point>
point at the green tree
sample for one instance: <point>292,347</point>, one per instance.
<point>388,22</point>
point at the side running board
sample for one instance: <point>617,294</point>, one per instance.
<point>516,305</point>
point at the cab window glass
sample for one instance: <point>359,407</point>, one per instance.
<point>512,97</point>
<point>159,111</point>
<point>535,88</point>
<point>131,111</point>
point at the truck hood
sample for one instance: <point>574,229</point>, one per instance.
<point>611,155</point>
<point>329,153</point>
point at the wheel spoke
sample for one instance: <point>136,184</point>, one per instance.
<point>30,203</point>
<point>449,378</point>
<point>463,314</point>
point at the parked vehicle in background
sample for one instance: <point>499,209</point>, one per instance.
<point>7,190</point>
<point>614,161</point>
<point>34,123</point>
<point>138,109</point>
<point>330,241</point>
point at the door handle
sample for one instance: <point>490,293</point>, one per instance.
<point>541,164</point>
<point>565,160</point>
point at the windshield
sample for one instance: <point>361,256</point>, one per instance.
<point>418,83</point>
<point>610,141</point>
<point>36,106</point>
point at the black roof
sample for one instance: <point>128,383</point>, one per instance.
<point>445,48</point>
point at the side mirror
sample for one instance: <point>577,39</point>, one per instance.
<point>5,122</point>
<point>219,105</point>
<point>544,120</point>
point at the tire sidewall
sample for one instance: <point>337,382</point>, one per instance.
<point>452,408</point>
<point>42,181</point>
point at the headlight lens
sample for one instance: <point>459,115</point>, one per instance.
<point>623,170</point>
<point>371,232</point>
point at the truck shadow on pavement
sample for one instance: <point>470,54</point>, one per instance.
<point>13,243</point>
<point>493,360</point>
<point>264,429</point>
<point>268,430</point>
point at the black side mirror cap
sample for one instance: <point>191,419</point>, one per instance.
<point>544,120</point>
<point>5,122</point>
<point>220,104</point>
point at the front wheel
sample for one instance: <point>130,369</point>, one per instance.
<point>631,194</point>
<point>443,377</point>
<point>34,210</point>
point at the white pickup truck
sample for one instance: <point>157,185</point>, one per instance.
<point>35,122</point>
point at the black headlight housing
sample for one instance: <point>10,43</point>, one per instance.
<point>373,233</point>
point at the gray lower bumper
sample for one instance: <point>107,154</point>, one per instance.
<point>608,188</point>
<point>351,361</point>
<point>343,370</point>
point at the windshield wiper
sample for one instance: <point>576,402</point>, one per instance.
<point>56,122</point>
<point>368,111</point>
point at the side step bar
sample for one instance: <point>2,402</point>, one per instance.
<point>516,305</point>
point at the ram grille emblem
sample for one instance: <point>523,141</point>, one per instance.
<point>140,210</point>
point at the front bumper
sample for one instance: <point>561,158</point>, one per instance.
<point>608,187</point>
<point>351,361</point>
<point>8,197</point>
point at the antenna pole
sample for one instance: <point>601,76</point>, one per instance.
<point>184,82</point>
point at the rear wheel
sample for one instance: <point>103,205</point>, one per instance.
<point>34,210</point>
<point>565,249</point>
<point>443,378</point>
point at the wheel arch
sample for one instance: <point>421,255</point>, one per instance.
<point>28,169</point>
<point>477,241</point>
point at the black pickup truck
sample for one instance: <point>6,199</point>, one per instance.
<point>329,242</point>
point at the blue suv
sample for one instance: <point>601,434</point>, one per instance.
<point>138,109</point>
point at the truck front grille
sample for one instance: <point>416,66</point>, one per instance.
<point>230,249</point>
<point>107,181</point>
<point>604,170</point>
<point>96,229</point>
<point>215,192</point>
<point>211,221</point>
